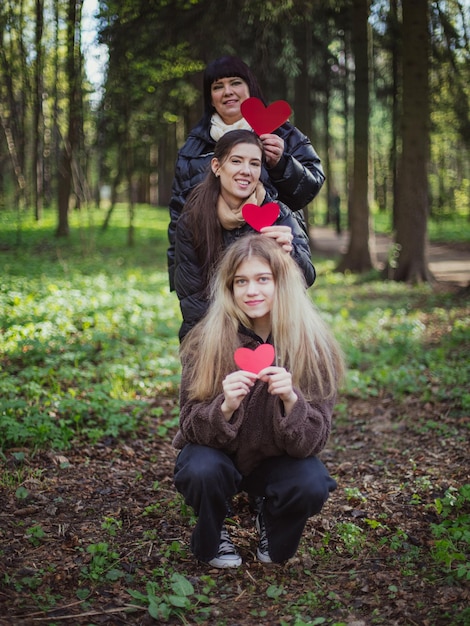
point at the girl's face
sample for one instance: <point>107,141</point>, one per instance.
<point>253,292</point>
<point>239,173</point>
<point>227,94</point>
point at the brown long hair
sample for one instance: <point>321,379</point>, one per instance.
<point>201,205</point>
<point>303,342</point>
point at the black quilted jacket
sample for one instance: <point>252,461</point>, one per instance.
<point>190,285</point>
<point>295,181</point>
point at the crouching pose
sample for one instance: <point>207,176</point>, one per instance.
<point>249,430</point>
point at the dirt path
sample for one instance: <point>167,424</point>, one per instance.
<point>450,263</point>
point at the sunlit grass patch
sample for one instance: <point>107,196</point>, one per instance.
<point>89,330</point>
<point>84,342</point>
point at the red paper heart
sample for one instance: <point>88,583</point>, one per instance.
<point>259,216</point>
<point>264,119</point>
<point>254,360</point>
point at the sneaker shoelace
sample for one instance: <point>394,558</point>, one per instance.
<point>226,545</point>
<point>263,537</point>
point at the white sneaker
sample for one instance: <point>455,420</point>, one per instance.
<point>262,552</point>
<point>227,555</point>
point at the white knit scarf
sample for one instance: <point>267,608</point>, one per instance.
<point>219,127</point>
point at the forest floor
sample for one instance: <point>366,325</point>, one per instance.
<point>101,520</point>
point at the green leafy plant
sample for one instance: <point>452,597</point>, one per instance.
<point>352,537</point>
<point>354,494</point>
<point>35,534</point>
<point>111,525</point>
<point>103,563</point>
<point>452,534</point>
<point>176,597</point>
<point>21,493</point>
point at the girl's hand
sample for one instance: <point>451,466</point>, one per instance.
<point>235,387</point>
<point>279,382</point>
<point>273,148</point>
<point>281,234</point>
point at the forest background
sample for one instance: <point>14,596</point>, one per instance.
<point>91,528</point>
<point>381,88</point>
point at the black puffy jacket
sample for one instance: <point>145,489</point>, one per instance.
<point>190,285</point>
<point>295,180</point>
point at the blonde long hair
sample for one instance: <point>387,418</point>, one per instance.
<point>304,344</point>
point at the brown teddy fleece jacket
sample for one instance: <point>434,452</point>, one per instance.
<point>258,429</point>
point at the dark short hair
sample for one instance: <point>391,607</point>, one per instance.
<point>222,68</point>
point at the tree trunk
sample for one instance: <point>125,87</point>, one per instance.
<point>357,257</point>
<point>12,113</point>
<point>130,188</point>
<point>22,100</point>
<point>412,184</point>
<point>395,102</point>
<point>167,150</point>
<point>37,161</point>
<point>329,183</point>
<point>72,141</point>
<point>302,90</point>
<point>345,96</point>
<point>114,187</point>
<point>20,191</point>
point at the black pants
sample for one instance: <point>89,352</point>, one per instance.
<point>293,490</point>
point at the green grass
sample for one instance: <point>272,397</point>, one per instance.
<point>450,228</point>
<point>89,330</point>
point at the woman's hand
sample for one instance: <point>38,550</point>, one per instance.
<point>279,382</point>
<point>273,149</point>
<point>235,387</point>
<point>281,234</point>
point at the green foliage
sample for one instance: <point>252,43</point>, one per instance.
<point>172,597</point>
<point>352,537</point>
<point>387,333</point>
<point>35,534</point>
<point>85,340</point>
<point>90,332</point>
<point>111,525</point>
<point>103,564</point>
<point>452,534</point>
<point>450,227</point>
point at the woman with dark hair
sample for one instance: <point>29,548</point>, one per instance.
<point>291,170</point>
<point>212,219</point>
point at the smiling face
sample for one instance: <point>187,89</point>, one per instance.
<point>227,94</point>
<point>239,173</point>
<point>253,293</point>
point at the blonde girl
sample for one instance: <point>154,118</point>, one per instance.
<point>256,432</point>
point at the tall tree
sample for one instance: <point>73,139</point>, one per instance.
<point>38,128</point>
<point>357,258</point>
<point>69,154</point>
<point>13,96</point>
<point>395,53</point>
<point>412,184</point>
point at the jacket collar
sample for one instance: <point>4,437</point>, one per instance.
<point>250,334</point>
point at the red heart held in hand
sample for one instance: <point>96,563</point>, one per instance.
<point>259,216</point>
<point>254,360</point>
<point>264,119</point>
